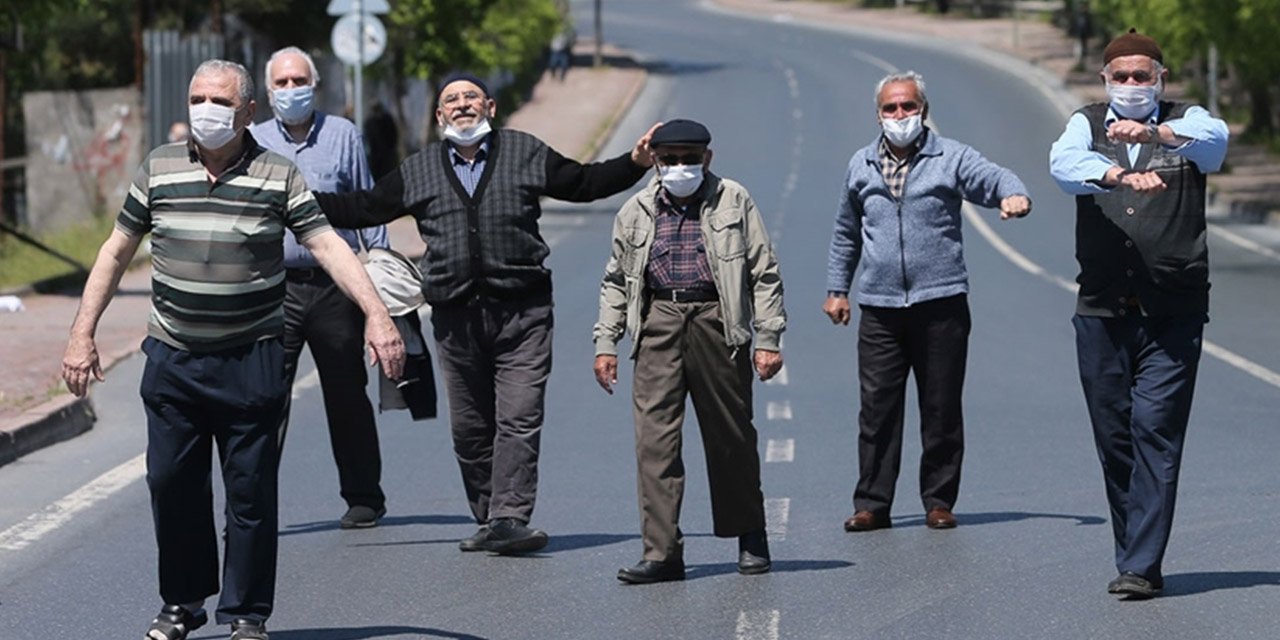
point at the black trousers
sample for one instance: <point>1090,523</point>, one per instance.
<point>495,356</point>
<point>930,339</point>
<point>1139,374</point>
<point>319,315</point>
<point>234,398</point>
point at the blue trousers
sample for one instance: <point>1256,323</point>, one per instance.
<point>235,398</point>
<point>1139,374</point>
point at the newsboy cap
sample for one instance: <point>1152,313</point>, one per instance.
<point>1132,44</point>
<point>680,131</point>
<point>461,75</point>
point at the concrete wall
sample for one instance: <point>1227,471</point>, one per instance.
<point>83,148</point>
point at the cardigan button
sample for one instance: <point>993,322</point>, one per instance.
<point>1129,211</point>
<point>1128,243</point>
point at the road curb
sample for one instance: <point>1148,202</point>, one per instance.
<point>611,126</point>
<point>52,422</point>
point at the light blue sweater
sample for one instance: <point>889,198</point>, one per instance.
<point>911,251</point>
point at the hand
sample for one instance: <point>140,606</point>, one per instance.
<point>1129,132</point>
<point>385,345</point>
<point>1144,182</point>
<point>79,362</point>
<point>768,363</point>
<point>606,369</point>
<point>837,308</point>
<point>641,154</point>
<point>1015,207</point>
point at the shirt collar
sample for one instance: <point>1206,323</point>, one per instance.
<point>1112,116</point>
<point>481,154</point>
<point>668,206</point>
<point>312,134</point>
<point>886,153</point>
<point>250,143</point>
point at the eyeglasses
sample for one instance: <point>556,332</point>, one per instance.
<point>890,108</point>
<point>1141,77</point>
<point>469,96</point>
<point>671,159</point>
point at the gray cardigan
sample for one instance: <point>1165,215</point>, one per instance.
<point>911,251</point>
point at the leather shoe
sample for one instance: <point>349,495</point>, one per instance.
<point>867,521</point>
<point>510,536</point>
<point>243,629</point>
<point>477,540</point>
<point>1131,586</point>
<point>940,518</point>
<point>651,571</point>
<point>361,517</point>
<point>753,553</point>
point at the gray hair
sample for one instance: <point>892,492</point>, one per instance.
<point>226,66</point>
<point>905,76</point>
<point>311,64</point>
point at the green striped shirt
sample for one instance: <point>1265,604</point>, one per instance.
<point>217,248</point>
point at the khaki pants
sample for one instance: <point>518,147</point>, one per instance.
<point>682,352</point>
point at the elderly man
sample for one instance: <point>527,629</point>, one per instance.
<point>217,208</point>
<point>328,151</point>
<point>475,196</point>
<point>899,216</point>
<point>1137,166</point>
<point>690,275</point>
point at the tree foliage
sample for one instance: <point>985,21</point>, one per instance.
<point>483,36</point>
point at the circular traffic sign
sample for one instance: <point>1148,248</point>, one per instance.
<point>347,47</point>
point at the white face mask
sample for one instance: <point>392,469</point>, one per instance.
<point>1134,102</point>
<point>901,133</point>
<point>293,106</point>
<point>469,136</point>
<point>681,180</point>
<point>212,125</point>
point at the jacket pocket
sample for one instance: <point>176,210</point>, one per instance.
<point>728,234</point>
<point>637,242</point>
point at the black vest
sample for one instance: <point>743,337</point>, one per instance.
<point>1151,247</point>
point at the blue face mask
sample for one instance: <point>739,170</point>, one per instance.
<point>293,106</point>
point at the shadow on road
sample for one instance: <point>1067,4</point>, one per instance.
<point>996,517</point>
<point>392,521</point>
<point>1186,584</point>
<point>360,633</point>
<point>695,571</point>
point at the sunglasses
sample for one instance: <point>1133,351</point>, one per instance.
<point>908,106</point>
<point>1141,77</point>
<point>671,159</point>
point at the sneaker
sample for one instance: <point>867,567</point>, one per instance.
<point>510,536</point>
<point>477,540</point>
<point>174,623</point>
<point>243,629</point>
<point>361,517</point>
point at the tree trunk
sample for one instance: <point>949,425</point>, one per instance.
<point>4,105</point>
<point>215,16</point>
<point>1261,121</point>
<point>139,53</point>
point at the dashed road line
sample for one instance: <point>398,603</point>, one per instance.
<point>775,410</point>
<point>776,513</point>
<point>758,625</point>
<point>1244,243</point>
<point>44,522</point>
<point>783,450</point>
<point>781,379</point>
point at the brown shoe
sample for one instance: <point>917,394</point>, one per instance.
<point>867,521</point>
<point>940,518</point>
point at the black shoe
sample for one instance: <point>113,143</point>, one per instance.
<point>174,623</point>
<point>651,571</point>
<point>361,517</point>
<point>477,540</point>
<point>753,553</point>
<point>242,629</point>
<point>1131,586</point>
<point>510,536</point>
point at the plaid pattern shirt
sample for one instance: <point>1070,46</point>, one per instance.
<point>678,257</point>
<point>895,170</point>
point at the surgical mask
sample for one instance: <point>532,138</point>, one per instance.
<point>469,136</point>
<point>294,106</point>
<point>212,125</point>
<point>1133,101</point>
<point>901,133</point>
<point>681,180</point>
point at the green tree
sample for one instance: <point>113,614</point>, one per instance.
<point>484,36</point>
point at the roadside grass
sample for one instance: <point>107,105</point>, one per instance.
<point>23,264</point>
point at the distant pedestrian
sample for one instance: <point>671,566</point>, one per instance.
<point>1137,166</point>
<point>691,275</point>
<point>328,151</point>
<point>216,208</point>
<point>383,138</point>
<point>561,52</point>
<point>179,132</point>
<point>1082,28</point>
<point>899,217</point>
<point>476,198</point>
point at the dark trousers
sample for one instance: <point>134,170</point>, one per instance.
<point>319,315</point>
<point>234,398</point>
<point>1139,374</point>
<point>930,339</point>
<point>495,356</point>
<point>682,353</point>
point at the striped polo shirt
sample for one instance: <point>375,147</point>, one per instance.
<point>217,248</point>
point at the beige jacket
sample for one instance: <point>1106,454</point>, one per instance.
<point>742,263</point>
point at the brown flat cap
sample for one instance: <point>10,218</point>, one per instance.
<point>1132,44</point>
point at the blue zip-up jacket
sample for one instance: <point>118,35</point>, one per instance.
<point>911,251</point>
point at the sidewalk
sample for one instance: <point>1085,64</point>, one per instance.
<point>575,117</point>
<point>1247,191</point>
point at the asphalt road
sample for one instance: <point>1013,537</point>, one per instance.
<point>787,104</point>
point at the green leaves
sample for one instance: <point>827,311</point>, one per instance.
<point>438,36</point>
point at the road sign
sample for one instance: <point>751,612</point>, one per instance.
<point>343,7</point>
<point>346,45</point>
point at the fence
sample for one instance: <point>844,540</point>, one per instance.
<point>171,59</point>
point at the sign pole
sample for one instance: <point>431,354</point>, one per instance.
<point>359,107</point>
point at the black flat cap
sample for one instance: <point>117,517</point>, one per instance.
<point>680,131</point>
<point>461,75</point>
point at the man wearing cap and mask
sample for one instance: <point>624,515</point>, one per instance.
<point>475,196</point>
<point>899,217</point>
<point>328,151</point>
<point>691,275</point>
<point>1137,166</point>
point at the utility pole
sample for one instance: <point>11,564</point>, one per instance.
<point>359,101</point>
<point>1213,79</point>
<point>599,37</point>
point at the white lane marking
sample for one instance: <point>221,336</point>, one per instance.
<point>1244,243</point>
<point>781,379</point>
<point>778,410</point>
<point>776,513</point>
<point>758,625</point>
<point>780,450</point>
<point>308,381</point>
<point>40,524</point>
<point>1022,262</point>
<point>874,61</point>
